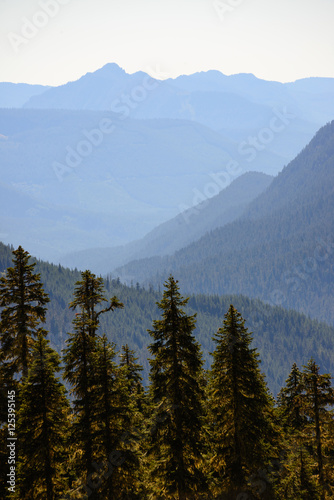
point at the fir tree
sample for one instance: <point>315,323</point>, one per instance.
<point>240,409</point>
<point>318,396</point>
<point>81,369</point>
<point>79,372</point>
<point>140,416</point>
<point>22,299</point>
<point>290,400</point>
<point>114,433</point>
<point>296,479</point>
<point>176,369</point>
<point>132,370</point>
<point>43,426</point>
<point>88,294</point>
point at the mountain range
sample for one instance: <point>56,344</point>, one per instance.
<point>281,248</point>
<point>102,161</point>
<point>180,231</point>
<point>227,182</point>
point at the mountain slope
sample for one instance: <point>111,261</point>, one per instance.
<point>281,250</point>
<point>15,95</point>
<point>282,337</point>
<point>183,229</point>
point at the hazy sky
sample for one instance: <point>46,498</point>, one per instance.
<point>54,41</point>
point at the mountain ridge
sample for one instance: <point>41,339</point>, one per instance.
<point>173,234</point>
<point>276,251</point>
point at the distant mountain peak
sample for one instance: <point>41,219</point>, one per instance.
<point>108,70</point>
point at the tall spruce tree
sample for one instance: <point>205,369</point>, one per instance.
<point>141,414</point>
<point>88,294</point>
<point>132,370</point>
<point>175,374</point>
<point>290,400</point>
<point>296,477</point>
<point>117,447</point>
<point>319,396</point>
<point>81,369</point>
<point>23,301</point>
<point>43,426</point>
<point>240,410</point>
<point>79,372</point>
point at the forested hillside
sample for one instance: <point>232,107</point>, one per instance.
<point>194,433</point>
<point>281,250</point>
<point>282,336</point>
<point>176,233</point>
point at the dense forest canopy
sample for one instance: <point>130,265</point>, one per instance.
<point>190,434</point>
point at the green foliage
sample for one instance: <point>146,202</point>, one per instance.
<point>79,363</point>
<point>102,406</point>
<point>319,395</point>
<point>178,399</point>
<point>290,400</point>
<point>23,301</point>
<point>240,407</point>
<point>296,337</point>
<point>304,407</point>
<point>89,294</point>
<point>114,415</point>
<point>281,337</point>
<point>132,369</point>
<point>43,427</point>
<point>297,480</point>
<point>181,438</point>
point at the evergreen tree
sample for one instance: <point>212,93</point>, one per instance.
<point>176,369</point>
<point>140,416</point>
<point>290,400</point>
<point>240,409</point>
<point>318,396</point>
<point>81,369</point>
<point>88,294</point>
<point>132,370</point>
<point>79,372</point>
<point>43,426</point>
<point>22,299</point>
<point>296,479</point>
<point>114,433</point>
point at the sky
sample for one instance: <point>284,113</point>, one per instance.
<point>51,42</point>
